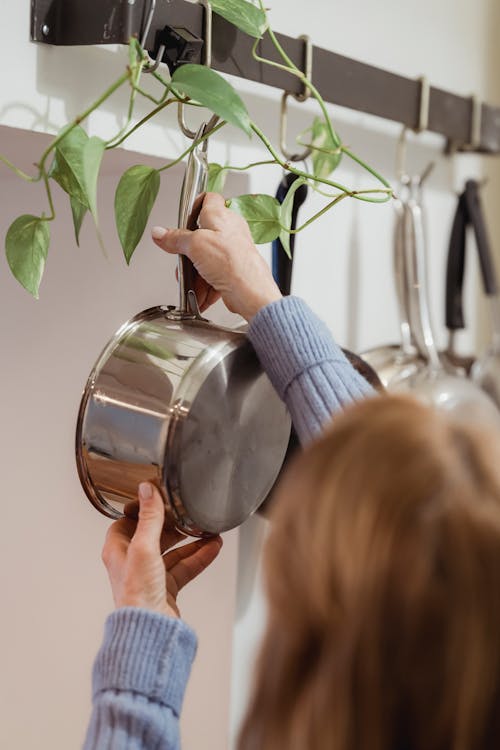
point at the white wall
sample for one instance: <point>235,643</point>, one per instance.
<point>54,587</point>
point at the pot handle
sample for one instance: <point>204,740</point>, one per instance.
<point>476,218</point>
<point>281,263</point>
<point>454,314</point>
<point>401,280</point>
<point>415,246</point>
<point>192,194</point>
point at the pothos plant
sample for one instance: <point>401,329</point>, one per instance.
<point>73,159</point>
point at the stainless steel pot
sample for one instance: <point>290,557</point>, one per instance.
<point>184,403</point>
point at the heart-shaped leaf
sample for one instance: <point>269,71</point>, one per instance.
<point>242,14</point>
<point>93,152</point>
<point>216,178</point>
<point>67,168</point>
<point>262,212</point>
<point>286,214</point>
<point>134,199</point>
<point>78,210</point>
<point>326,155</point>
<point>27,245</point>
<point>211,90</point>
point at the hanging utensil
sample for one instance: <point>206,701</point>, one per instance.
<point>486,370</point>
<point>179,401</point>
<point>434,385</point>
<point>395,361</point>
<point>455,267</point>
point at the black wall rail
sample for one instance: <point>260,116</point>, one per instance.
<point>465,123</point>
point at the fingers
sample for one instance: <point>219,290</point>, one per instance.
<point>213,214</point>
<point>186,562</point>
<point>211,298</point>
<point>117,542</point>
<point>151,518</point>
<point>176,241</point>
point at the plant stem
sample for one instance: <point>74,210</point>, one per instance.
<point>139,124</point>
<point>45,178</point>
<point>324,210</point>
<point>80,118</point>
<point>16,170</point>
<point>192,147</point>
<point>294,70</point>
<point>359,195</point>
<point>231,168</point>
<point>359,161</point>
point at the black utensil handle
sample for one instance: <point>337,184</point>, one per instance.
<point>455,266</point>
<point>282,264</point>
<point>476,218</point>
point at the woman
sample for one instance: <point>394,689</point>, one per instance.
<point>337,670</point>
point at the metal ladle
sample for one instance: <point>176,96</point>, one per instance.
<point>395,361</point>
<point>433,385</point>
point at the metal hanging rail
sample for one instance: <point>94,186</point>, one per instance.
<point>464,121</point>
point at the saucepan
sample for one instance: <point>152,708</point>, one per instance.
<point>452,393</point>
<point>176,400</point>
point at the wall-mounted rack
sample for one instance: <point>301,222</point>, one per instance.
<point>464,121</point>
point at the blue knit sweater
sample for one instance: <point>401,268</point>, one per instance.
<point>143,665</point>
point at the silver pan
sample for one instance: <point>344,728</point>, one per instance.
<point>179,401</point>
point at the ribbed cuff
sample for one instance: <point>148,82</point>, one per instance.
<point>145,652</point>
<point>289,338</point>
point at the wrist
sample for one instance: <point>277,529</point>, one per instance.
<point>258,301</point>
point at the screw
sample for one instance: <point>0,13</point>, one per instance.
<point>45,29</point>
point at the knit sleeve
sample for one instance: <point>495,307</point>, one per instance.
<point>138,683</point>
<point>308,369</point>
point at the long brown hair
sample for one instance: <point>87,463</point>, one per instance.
<point>382,571</point>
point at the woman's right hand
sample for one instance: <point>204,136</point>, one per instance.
<point>225,257</point>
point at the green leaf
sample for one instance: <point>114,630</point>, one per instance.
<point>216,178</point>
<point>27,245</point>
<point>242,14</point>
<point>93,152</point>
<point>67,168</point>
<point>211,90</point>
<point>134,199</point>
<point>78,210</point>
<point>262,212</point>
<point>286,214</point>
<point>325,156</point>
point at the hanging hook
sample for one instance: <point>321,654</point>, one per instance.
<point>149,20</point>
<point>423,124</point>
<point>475,125</point>
<point>152,65</point>
<point>476,119</point>
<point>302,97</point>
<point>207,60</point>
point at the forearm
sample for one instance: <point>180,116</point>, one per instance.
<point>139,679</point>
<point>305,365</point>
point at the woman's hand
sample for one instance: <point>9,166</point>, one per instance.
<point>225,257</point>
<point>140,576</point>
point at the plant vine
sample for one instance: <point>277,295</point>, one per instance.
<point>73,159</point>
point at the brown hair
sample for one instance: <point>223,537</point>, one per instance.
<point>383,579</point>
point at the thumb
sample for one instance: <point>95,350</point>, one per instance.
<point>151,516</point>
<point>173,240</point>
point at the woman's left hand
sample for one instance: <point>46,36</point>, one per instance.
<point>140,575</point>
